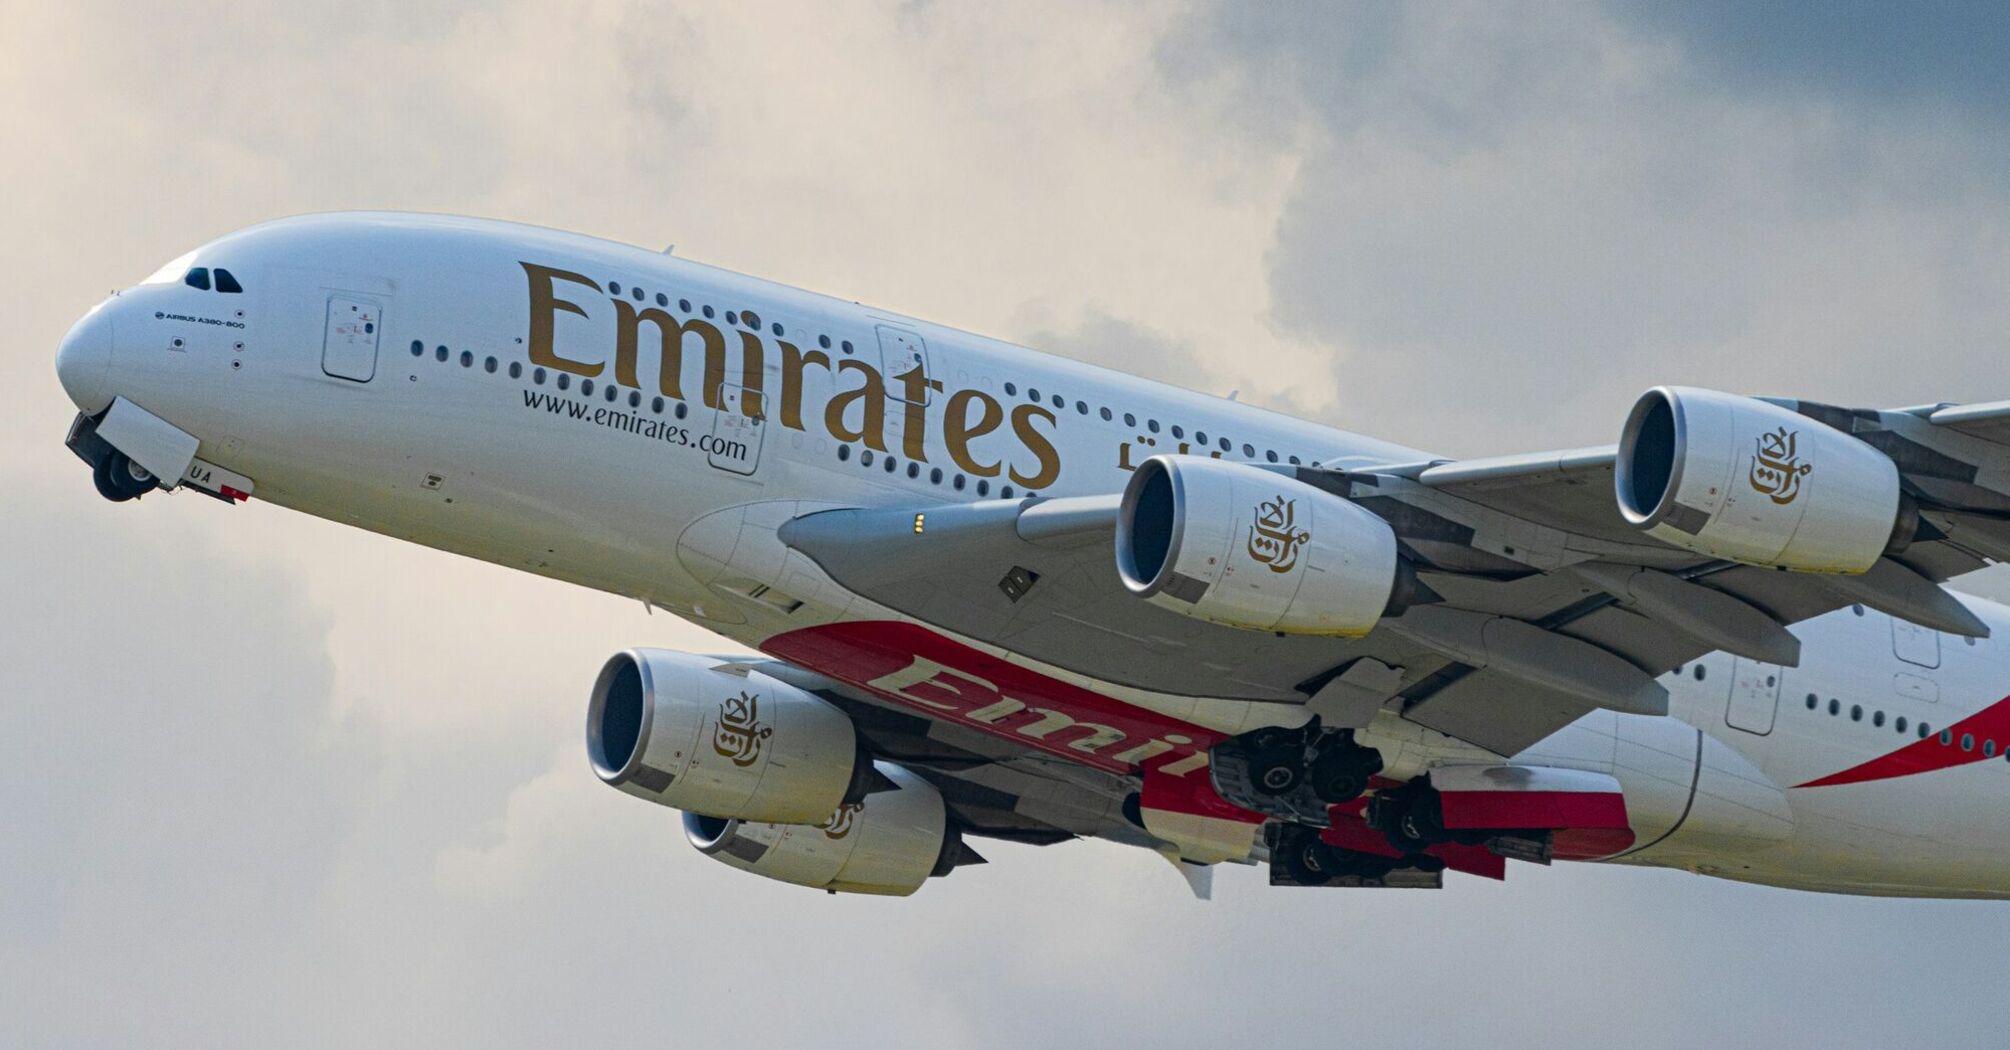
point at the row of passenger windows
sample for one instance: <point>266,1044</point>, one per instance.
<point>539,376</point>
<point>733,317</point>
<point>753,321</point>
<point>1877,717</point>
<point>1947,739</point>
<point>890,464</point>
<point>1200,439</point>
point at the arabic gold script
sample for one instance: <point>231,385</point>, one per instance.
<point>1776,468</point>
<point>841,821</point>
<point>739,733</point>
<point>1275,539</point>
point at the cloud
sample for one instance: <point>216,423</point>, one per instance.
<point>267,779</point>
<point>1508,222</point>
<point>177,783</point>
<point>1940,55</point>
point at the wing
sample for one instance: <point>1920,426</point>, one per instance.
<point>1544,601</point>
<point>994,787</point>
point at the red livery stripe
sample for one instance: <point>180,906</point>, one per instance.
<point>1925,756</point>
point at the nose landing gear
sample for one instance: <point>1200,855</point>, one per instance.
<point>117,477</point>
<point>120,479</point>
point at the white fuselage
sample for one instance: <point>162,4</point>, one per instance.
<point>476,417</point>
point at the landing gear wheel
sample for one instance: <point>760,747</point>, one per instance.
<point>1341,774</point>
<point>119,479</point>
<point>1278,770</point>
<point>1411,819</point>
<point>1311,863</point>
<point>1305,859</point>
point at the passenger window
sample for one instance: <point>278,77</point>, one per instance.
<point>198,278</point>
<point>226,283</point>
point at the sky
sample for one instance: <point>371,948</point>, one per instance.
<point>267,780</point>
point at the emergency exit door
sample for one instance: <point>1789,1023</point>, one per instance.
<point>1755,696</point>
<point>903,363</point>
<point>1916,645</point>
<point>349,343</point>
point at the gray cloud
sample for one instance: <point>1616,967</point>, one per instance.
<point>177,784</point>
<point>266,780</point>
<point>1509,221</point>
<point>1944,54</point>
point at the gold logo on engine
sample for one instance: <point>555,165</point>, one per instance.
<point>739,733</point>
<point>1776,468</point>
<point>1275,539</point>
<point>841,821</point>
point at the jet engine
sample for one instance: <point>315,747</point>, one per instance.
<point>1746,480</point>
<point>698,734</point>
<point>1252,548</point>
<point>889,843</point>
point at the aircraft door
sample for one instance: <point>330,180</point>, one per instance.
<point>349,342</point>
<point>1755,696</point>
<point>735,442</point>
<point>1915,644</point>
<point>901,352</point>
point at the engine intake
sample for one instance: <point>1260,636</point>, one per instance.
<point>890,843</point>
<point>1746,480</point>
<point>677,730</point>
<point>1252,548</point>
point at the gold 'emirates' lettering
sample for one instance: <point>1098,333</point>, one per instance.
<point>871,400</point>
<point>957,429</point>
<point>670,334</point>
<point>857,411</point>
<point>1038,445</point>
<point>793,363</point>
<point>544,309</point>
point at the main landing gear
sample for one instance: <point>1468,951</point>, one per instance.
<point>1409,819</point>
<point>1293,774</point>
<point>1412,819</point>
<point>1299,857</point>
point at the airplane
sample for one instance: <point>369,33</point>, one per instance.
<point>994,594</point>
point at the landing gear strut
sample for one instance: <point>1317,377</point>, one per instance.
<point>1293,774</point>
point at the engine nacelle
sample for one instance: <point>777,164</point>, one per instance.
<point>890,843</point>
<point>1746,480</point>
<point>1252,548</point>
<point>674,729</point>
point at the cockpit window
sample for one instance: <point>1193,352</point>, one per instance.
<point>198,278</point>
<point>226,283</point>
<point>173,272</point>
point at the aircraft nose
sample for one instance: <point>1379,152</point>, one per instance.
<point>84,361</point>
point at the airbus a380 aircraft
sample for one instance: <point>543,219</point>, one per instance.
<point>1004,595</point>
